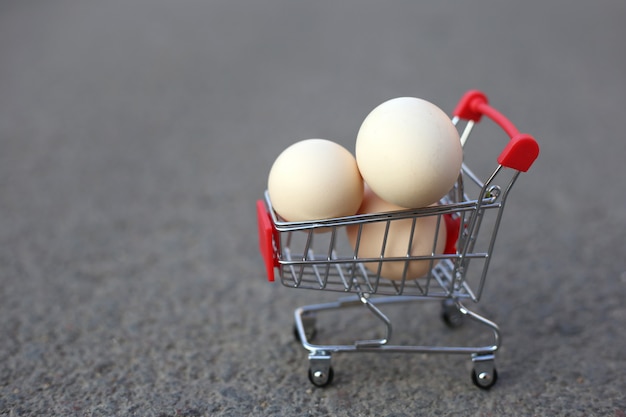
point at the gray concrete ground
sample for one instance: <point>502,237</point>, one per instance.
<point>135,137</point>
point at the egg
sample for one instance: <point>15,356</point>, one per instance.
<point>409,152</point>
<point>315,179</point>
<point>397,242</point>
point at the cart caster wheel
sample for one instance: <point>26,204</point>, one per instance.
<point>451,315</point>
<point>321,378</point>
<point>308,321</point>
<point>484,380</point>
<point>309,333</point>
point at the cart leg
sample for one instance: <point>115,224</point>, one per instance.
<point>382,317</point>
<point>320,370</point>
<point>484,374</point>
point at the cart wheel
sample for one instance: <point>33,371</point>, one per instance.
<point>309,333</point>
<point>309,322</point>
<point>450,314</point>
<point>484,379</point>
<point>321,378</point>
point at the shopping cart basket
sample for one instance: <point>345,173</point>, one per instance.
<point>307,258</point>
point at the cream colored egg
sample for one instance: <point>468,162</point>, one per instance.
<point>372,238</point>
<point>409,152</point>
<point>315,179</point>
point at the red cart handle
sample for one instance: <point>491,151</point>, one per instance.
<point>522,149</point>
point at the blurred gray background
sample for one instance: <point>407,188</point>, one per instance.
<point>135,137</point>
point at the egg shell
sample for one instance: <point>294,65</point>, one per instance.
<point>315,179</point>
<point>409,152</point>
<point>397,244</point>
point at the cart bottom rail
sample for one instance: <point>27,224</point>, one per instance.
<point>454,313</point>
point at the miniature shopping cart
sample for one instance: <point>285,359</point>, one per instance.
<point>314,255</point>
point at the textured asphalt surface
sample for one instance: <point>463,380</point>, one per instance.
<point>135,137</point>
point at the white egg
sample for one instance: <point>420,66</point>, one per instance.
<point>409,152</point>
<point>315,179</point>
<point>372,238</point>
